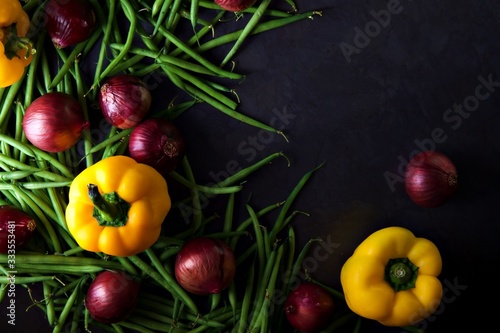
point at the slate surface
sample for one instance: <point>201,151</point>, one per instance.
<point>362,88</point>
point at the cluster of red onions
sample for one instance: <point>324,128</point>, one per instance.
<point>157,142</point>
<point>430,179</point>
<point>16,228</point>
<point>69,22</point>
<point>54,122</point>
<point>205,266</point>
<point>112,296</point>
<point>124,100</point>
<point>309,307</point>
<point>235,5</point>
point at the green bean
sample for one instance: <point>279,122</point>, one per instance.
<point>292,277</point>
<point>158,317</point>
<point>202,32</point>
<point>66,310</point>
<point>56,269</point>
<point>40,214</point>
<point>7,102</point>
<point>59,260</point>
<point>162,7</point>
<point>261,319</point>
<point>202,188</point>
<point>288,202</point>
<point>335,293</point>
<point>251,24</point>
<point>245,172</point>
<point>341,321</point>
<point>15,175</point>
<point>197,216</point>
<point>261,290</point>
<point>193,13</point>
<point>129,13</point>
<point>3,290</point>
<point>49,304</point>
<point>247,298</point>
<point>24,279</point>
<point>262,27</point>
<point>41,185</point>
<point>109,141</point>
<point>87,141</point>
<point>127,266</point>
<point>261,253</point>
<point>135,327</point>
<point>171,285</point>
<point>186,49</point>
<point>172,16</point>
<point>246,223</point>
<point>107,25</point>
<point>158,6</point>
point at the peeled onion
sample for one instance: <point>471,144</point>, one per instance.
<point>112,296</point>
<point>430,179</point>
<point>157,143</point>
<point>69,22</point>
<point>54,122</point>
<point>16,228</point>
<point>309,307</point>
<point>205,266</point>
<point>124,100</point>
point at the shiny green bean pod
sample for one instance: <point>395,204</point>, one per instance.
<point>247,301</point>
<point>289,201</point>
<point>61,321</point>
<point>59,260</point>
<point>203,188</point>
<point>170,285</point>
<point>48,298</point>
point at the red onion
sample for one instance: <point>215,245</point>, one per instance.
<point>69,22</point>
<point>235,5</point>
<point>16,228</point>
<point>205,266</point>
<point>430,179</point>
<point>157,143</point>
<point>54,122</point>
<point>112,296</point>
<point>124,100</point>
<point>309,307</point>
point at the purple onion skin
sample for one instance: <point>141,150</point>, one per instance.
<point>235,5</point>
<point>54,122</point>
<point>158,143</point>
<point>124,100</point>
<point>69,22</point>
<point>205,266</point>
<point>430,179</point>
<point>16,228</point>
<point>112,296</point>
<point>309,307</point>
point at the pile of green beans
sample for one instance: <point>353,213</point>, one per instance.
<point>148,38</point>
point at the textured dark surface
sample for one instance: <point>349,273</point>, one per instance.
<point>364,106</point>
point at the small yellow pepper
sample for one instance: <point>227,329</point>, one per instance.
<point>392,277</point>
<point>117,206</point>
<point>16,51</point>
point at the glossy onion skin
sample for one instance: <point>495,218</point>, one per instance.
<point>16,228</point>
<point>157,143</point>
<point>124,100</point>
<point>69,22</point>
<point>205,266</point>
<point>430,179</point>
<point>309,307</point>
<point>235,5</point>
<point>112,296</point>
<point>54,122</point>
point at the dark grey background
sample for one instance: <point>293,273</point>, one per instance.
<point>365,114</point>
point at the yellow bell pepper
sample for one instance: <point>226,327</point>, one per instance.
<point>16,51</point>
<point>117,206</point>
<point>392,277</point>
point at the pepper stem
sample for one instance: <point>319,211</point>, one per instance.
<point>13,43</point>
<point>109,209</point>
<point>401,274</point>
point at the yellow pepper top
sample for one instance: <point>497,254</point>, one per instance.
<point>16,51</point>
<point>117,206</point>
<point>392,278</point>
